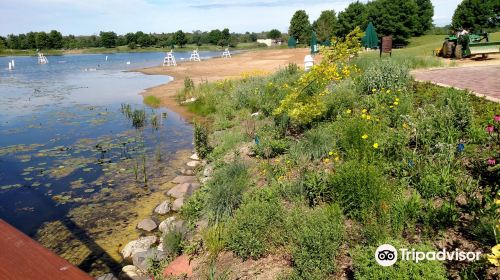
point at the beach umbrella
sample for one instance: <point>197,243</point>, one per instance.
<point>314,43</point>
<point>292,43</point>
<point>370,40</point>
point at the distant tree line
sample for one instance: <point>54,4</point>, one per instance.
<point>108,39</point>
<point>399,18</point>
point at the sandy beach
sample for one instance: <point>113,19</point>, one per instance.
<point>218,69</point>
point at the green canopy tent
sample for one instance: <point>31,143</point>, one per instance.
<point>314,43</point>
<point>292,43</point>
<point>370,40</point>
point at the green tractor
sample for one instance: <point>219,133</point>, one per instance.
<point>462,45</point>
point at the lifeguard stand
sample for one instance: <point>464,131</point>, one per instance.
<point>195,56</point>
<point>169,60</point>
<point>42,59</point>
<point>226,53</point>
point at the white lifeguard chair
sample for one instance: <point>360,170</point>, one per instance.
<point>42,59</point>
<point>169,60</point>
<point>195,56</point>
<point>226,53</point>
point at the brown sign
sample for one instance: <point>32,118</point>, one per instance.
<point>387,44</point>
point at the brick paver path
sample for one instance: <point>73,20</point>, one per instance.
<point>481,80</point>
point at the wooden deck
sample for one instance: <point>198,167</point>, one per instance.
<point>22,258</point>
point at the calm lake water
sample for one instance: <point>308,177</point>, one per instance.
<point>64,138</point>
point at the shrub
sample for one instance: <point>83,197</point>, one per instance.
<point>384,74</point>
<point>192,209</point>
<point>172,243</point>
<point>269,143</point>
<point>366,268</point>
<point>255,228</point>
<point>316,236</point>
<point>359,188</point>
<point>188,86</point>
<point>225,190</point>
<point>201,141</point>
<point>315,145</point>
<point>215,238</point>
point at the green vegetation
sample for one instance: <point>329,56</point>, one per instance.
<point>477,15</point>
<point>341,159</point>
<point>152,101</point>
<point>300,27</point>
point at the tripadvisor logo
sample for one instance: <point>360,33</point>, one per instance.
<point>387,255</point>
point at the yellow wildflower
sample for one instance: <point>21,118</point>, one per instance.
<point>497,201</point>
<point>364,136</point>
<point>364,111</point>
<point>363,116</point>
<point>405,125</point>
<point>494,257</point>
<point>326,160</point>
<point>373,90</point>
<point>348,111</point>
<point>397,99</point>
<point>391,106</point>
<point>330,153</point>
<point>388,91</point>
<point>337,158</point>
<point>368,117</point>
<point>375,145</point>
<point>396,103</point>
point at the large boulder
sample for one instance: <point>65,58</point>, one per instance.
<point>163,208</point>
<point>177,204</point>
<point>193,163</point>
<point>184,179</point>
<point>147,225</point>
<point>131,272</point>
<point>183,190</point>
<point>179,267</point>
<point>141,244</point>
<point>166,225</point>
<point>140,259</point>
<point>107,276</point>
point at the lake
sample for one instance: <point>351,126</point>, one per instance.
<point>71,154</point>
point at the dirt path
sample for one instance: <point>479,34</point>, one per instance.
<point>218,69</point>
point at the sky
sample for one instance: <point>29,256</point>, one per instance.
<point>86,17</point>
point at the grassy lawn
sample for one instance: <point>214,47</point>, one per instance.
<point>325,166</point>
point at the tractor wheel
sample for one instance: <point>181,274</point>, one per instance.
<point>458,52</point>
<point>448,49</point>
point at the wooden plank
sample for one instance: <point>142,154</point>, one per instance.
<point>23,258</point>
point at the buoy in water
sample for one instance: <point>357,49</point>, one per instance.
<point>106,58</point>
<point>10,65</point>
<point>13,64</point>
<point>128,62</point>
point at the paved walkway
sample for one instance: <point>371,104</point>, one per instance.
<point>481,80</point>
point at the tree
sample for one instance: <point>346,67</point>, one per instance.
<point>131,38</point>
<point>214,36</point>
<point>425,13</point>
<point>56,39</point>
<point>274,34</point>
<point>2,43</point>
<point>326,25</point>
<point>108,39</point>
<point>225,37</point>
<point>398,18</point>
<point>31,40</point>
<point>300,27</point>
<point>476,15</point>
<point>42,40</point>
<point>180,38</point>
<point>355,14</point>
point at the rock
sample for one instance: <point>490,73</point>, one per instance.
<point>184,179</point>
<point>147,225</point>
<point>133,273</point>
<point>140,259</point>
<point>205,180</point>
<point>188,172</point>
<point>166,225</point>
<point>193,163</point>
<point>179,267</point>
<point>141,244</point>
<point>163,208</point>
<point>209,169</point>
<point>201,224</point>
<point>107,276</point>
<point>247,150</point>
<point>194,157</point>
<point>177,204</point>
<point>183,190</point>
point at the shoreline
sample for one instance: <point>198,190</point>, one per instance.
<point>216,69</point>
